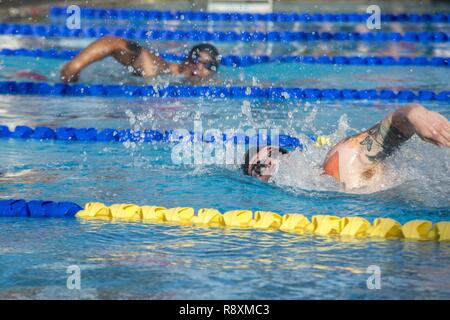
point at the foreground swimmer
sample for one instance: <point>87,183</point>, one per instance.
<point>358,161</point>
<point>201,63</point>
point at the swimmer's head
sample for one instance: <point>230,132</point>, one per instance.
<point>202,62</point>
<point>263,162</point>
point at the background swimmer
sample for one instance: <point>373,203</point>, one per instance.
<point>358,161</point>
<point>27,176</point>
<point>201,63</point>
<point>8,175</point>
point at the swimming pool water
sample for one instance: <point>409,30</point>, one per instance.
<point>170,262</point>
<point>136,261</point>
<point>130,260</point>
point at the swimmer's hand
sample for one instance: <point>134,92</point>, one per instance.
<point>428,125</point>
<point>68,74</point>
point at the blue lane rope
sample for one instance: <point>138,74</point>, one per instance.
<point>107,135</point>
<point>38,208</point>
<point>158,15</point>
<point>237,61</point>
<point>173,91</point>
<point>50,31</point>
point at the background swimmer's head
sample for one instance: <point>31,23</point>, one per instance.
<point>202,62</point>
<point>263,162</point>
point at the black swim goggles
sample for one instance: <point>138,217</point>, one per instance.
<point>259,166</point>
<point>209,65</point>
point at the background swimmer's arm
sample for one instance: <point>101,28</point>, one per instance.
<point>126,52</point>
<point>385,137</point>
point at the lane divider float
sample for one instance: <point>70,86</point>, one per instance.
<point>321,225</point>
<point>37,208</point>
<point>324,225</point>
<point>186,15</point>
<point>106,135</point>
<point>58,31</point>
<point>247,60</point>
<point>238,92</point>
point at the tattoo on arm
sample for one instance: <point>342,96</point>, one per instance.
<point>368,141</point>
<point>383,139</point>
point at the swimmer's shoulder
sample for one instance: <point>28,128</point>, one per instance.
<point>344,154</point>
<point>351,143</point>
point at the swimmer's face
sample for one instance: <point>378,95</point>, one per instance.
<point>200,67</point>
<point>264,164</point>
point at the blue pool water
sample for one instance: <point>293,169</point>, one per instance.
<point>131,260</point>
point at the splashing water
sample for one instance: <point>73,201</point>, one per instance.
<point>417,173</point>
<point>302,170</point>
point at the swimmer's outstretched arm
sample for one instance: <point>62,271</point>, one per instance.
<point>126,52</point>
<point>398,127</point>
